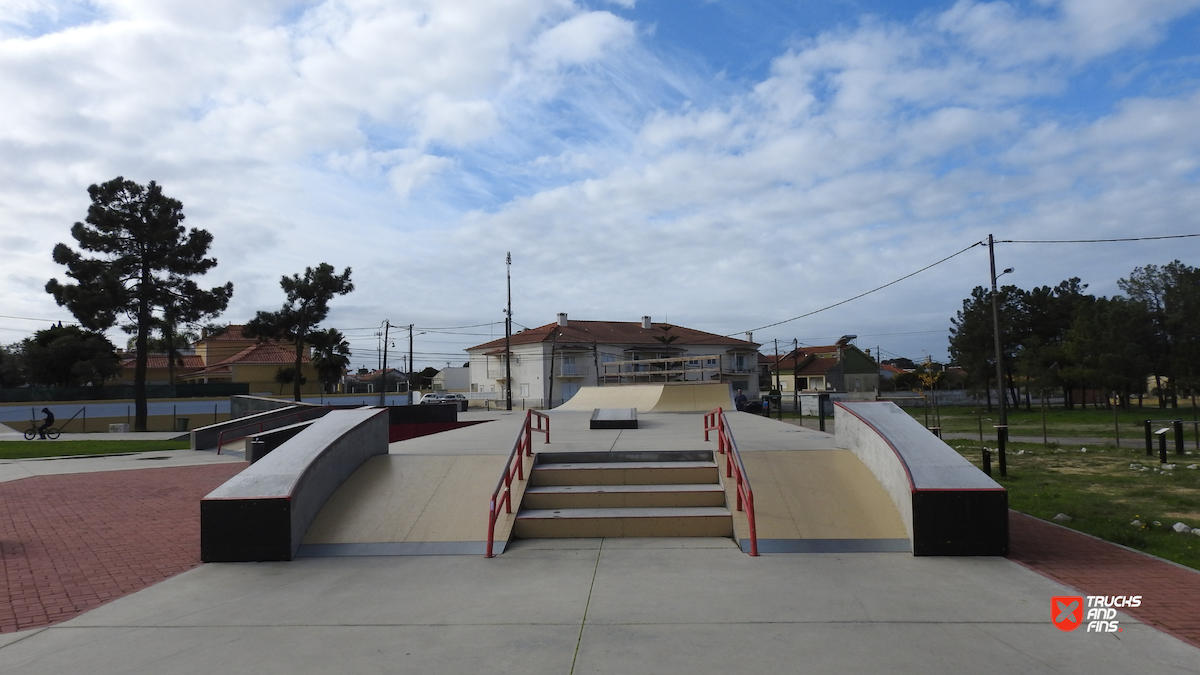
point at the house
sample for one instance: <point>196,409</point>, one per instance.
<point>228,355</point>
<point>158,371</point>
<point>839,367</point>
<point>367,381</point>
<point>453,379</point>
<point>551,362</point>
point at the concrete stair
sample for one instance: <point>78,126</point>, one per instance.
<point>624,494</point>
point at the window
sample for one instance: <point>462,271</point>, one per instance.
<point>739,362</point>
<point>710,362</point>
<point>524,390</point>
<point>607,358</point>
<point>568,365</point>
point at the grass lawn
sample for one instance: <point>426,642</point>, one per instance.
<point>1103,490</point>
<point>39,448</point>
<point>1080,422</point>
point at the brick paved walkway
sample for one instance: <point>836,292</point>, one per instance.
<point>1170,594</point>
<point>70,543</point>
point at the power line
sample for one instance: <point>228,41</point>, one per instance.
<point>1092,241</point>
<point>861,295</point>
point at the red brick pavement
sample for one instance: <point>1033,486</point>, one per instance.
<point>1170,593</point>
<point>71,543</point>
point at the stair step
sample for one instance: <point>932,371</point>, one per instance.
<point>618,496</point>
<point>626,456</point>
<point>701,521</point>
<point>624,473</point>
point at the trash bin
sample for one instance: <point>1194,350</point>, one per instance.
<point>181,423</point>
<point>773,400</point>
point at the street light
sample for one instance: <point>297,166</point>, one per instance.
<point>1002,428</point>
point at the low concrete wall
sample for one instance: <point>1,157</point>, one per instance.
<point>948,506</point>
<point>243,405</point>
<point>259,445</point>
<point>207,437</point>
<point>263,512</point>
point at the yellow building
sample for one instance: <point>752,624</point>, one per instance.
<point>229,356</point>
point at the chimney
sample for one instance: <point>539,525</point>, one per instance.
<point>562,318</point>
<point>749,336</point>
<point>646,322</point>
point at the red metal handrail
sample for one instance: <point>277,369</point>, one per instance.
<point>221,436</point>
<point>716,421</point>
<point>514,467</point>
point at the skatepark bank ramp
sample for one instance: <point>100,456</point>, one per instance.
<point>670,397</point>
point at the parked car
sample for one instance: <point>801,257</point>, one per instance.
<point>444,397</point>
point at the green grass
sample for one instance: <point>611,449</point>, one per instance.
<point>1080,422</point>
<point>39,448</point>
<point>1102,494</point>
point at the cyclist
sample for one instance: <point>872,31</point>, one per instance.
<point>45,425</point>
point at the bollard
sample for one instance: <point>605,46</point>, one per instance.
<point>987,462</point>
<point>1149,440</point>
<point>258,448</point>
<point>1001,437</point>
<point>1178,429</point>
<point>1162,444</point>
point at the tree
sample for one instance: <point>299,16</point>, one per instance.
<point>331,355</point>
<point>12,366</point>
<point>972,344</point>
<point>143,266</point>
<point>286,376</point>
<point>69,356</point>
<point>307,305</point>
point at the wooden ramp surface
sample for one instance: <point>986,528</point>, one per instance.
<point>432,497</point>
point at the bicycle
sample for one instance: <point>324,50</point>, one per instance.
<point>32,433</point>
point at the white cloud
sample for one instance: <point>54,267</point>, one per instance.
<point>1074,30</point>
<point>409,137</point>
<point>581,39</point>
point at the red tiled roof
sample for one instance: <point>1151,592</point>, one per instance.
<point>614,333</point>
<point>265,354</point>
<point>161,361</point>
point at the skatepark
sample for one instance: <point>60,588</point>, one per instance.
<point>389,574</point>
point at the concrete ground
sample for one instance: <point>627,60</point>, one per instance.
<point>595,606</point>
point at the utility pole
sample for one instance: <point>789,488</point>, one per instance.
<point>410,363</point>
<point>383,369</point>
<point>778,388</point>
<point>1002,428</point>
<point>508,335</point>
<point>796,377</point>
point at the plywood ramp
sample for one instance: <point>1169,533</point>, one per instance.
<point>816,495</point>
<point>411,498</point>
<point>673,397</point>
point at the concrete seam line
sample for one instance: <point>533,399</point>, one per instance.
<point>587,604</point>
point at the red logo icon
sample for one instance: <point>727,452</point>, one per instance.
<point>1067,612</point>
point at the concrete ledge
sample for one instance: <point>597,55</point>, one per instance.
<point>206,438</point>
<point>263,512</point>
<point>614,418</point>
<point>270,440</point>
<point>948,506</point>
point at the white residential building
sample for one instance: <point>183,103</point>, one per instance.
<point>551,362</point>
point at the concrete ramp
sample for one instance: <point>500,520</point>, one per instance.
<point>673,397</point>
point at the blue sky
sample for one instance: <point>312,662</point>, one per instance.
<point>721,165</point>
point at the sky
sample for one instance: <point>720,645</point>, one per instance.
<point>724,165</point>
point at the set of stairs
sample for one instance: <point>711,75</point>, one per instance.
<point>624,494</point>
